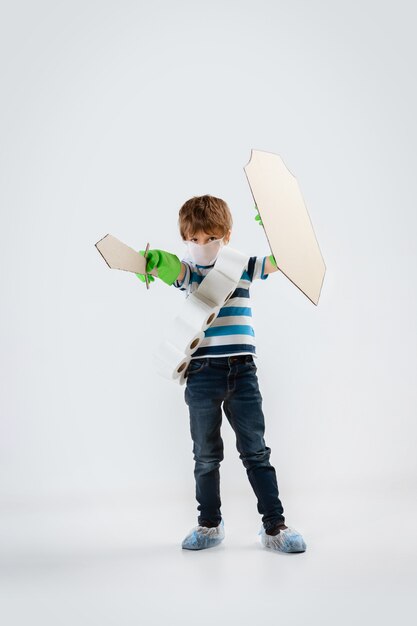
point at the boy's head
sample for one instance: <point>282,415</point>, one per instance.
<point>204,218</point>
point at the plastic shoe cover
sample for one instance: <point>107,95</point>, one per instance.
<point>287,540</point>
<point>201,537</point>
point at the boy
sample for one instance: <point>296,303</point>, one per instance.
<point>223,371</point>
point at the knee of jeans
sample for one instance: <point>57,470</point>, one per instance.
<point>205,465</point>
<point>252,459</point>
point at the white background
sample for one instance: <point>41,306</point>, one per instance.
<point>112,115</point>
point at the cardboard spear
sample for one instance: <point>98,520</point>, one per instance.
<point>286,221</point>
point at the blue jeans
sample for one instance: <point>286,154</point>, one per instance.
<point>230,380</point>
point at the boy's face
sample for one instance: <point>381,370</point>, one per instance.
<point>202,238</point>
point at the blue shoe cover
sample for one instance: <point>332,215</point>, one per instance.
<point>287,540</point>
<point>201,537</point>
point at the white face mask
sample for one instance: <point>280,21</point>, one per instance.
<point>204,253</point>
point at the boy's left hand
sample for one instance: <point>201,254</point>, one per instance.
<point>258,217</point>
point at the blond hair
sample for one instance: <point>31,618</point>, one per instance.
<point>205,213</point>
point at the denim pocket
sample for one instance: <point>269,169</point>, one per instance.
<point>195,365</point>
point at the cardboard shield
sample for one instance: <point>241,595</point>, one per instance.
<point>286,221</point>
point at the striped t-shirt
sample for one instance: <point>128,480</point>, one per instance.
<point>232,331</point>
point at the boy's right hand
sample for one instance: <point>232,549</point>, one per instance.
<point>143,279</point>
<point>142,276</point>
<point>169,266</point>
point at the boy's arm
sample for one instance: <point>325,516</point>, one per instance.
<point>270,265</point>
<point>181,275</point>
<point>184,277</point>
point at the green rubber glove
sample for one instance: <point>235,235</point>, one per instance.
<point>142,278</point>
<point>169,266</point>
<point>258,219</point>
<point>257,216</point>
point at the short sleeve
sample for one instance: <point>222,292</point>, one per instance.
<point>256,267</point>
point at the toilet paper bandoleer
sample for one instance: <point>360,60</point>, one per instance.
<point>216,319</point>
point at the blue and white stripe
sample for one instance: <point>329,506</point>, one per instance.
<point>232,331</point>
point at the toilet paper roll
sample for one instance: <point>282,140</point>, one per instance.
<point>231,262</point>
<point>199,312</point>
<point>222,280</point>
<point>169,361</point>
<point>182,377</point>
<point>216,287</point>
<point>185,336</point>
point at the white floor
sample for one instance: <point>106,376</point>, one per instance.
<point>98,563</point>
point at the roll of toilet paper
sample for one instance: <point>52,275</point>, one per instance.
<point>221,281</point>
<point>231,263</point>
<point>199,311</point>
<point>216,287</point>
<point>186,335</point>
<point>170,362</point>
<point>182,377</point>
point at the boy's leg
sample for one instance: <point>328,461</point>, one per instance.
<point>205,422</point>
<point>243,409</point>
